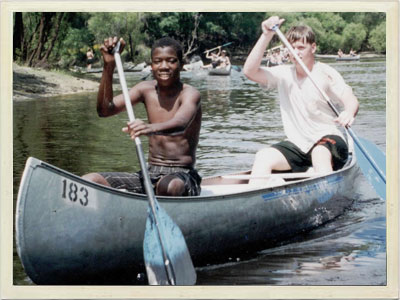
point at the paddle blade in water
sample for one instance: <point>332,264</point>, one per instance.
<point>177,254</point>
<point>376,175</point>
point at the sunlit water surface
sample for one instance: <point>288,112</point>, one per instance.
<point>238,119</point>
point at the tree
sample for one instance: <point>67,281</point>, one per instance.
<point>126,25</point>
<point>377,38</point>
<point>353,36</point>
<point>18,37</point>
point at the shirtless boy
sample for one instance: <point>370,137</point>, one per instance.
<point>313,138</point>
<point>174,120</point>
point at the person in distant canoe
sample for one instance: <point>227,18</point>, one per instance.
<point>174,120</point>
<point>224,60</point>
<point>214,58</point>
<point>352,52</point>
<point>277,57</point>
<point>89,58</point>
<point>340,53</point>
<point>314,138</point>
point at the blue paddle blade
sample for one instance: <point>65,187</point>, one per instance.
<point>374,171</point>
<point>177,254</point>
<point>236,68</point>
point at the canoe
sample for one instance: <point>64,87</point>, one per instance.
<point>269,63</point>
<point>195,66</point>
<point>71,231</point>
<point>348,58</point>
<point>221,71</point>
<point>325,56</point>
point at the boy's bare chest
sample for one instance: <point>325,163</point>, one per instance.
<point>161,109</point>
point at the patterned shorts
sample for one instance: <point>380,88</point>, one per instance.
<point>133,182</point>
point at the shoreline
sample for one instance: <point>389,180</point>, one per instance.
<point>30,83</point>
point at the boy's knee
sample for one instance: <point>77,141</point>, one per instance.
<point>170,186</point>
<point>95,177</point>
<point>263,153</point>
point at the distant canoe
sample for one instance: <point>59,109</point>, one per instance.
<point>270,63</point>
<point>220,71</point>
<point>348,58</point>
<point>194,66</point>
<point>325,56</point>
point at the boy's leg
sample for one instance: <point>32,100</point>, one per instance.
<point>321,159</point>
<point>97,178</point>
<point>330,153</point>
<point>266,160</point>
<point>170,185</point>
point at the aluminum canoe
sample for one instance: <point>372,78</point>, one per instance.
<point>71,231</point>
<point>220,71</point>
<point>348,58</point>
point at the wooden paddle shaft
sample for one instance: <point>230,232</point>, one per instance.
<point>147,183</point>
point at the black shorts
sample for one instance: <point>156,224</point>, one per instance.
<point>300,161</point>
<point>215,63</point>
<point>133,182</point>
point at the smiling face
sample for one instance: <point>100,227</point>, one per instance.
<point>165,65</point>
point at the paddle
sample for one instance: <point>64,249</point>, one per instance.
<point>224,45</point>
<point>145,77</point>
<point>371,159</point>
<point>236,68</point>
<point>166,256</point>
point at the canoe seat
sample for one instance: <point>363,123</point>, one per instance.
<point>222,189</point>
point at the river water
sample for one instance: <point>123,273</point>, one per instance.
<point>238,119</point>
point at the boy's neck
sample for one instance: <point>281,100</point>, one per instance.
<point>300,73</point>
<point>169,90</point>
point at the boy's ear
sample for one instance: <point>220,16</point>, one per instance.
<point>313,47</point>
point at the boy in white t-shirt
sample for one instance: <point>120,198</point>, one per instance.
<point>313,138</point>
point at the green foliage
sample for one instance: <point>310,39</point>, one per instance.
<point>125,25</point>
<point>353,37</point>
<point>377,38</point>
<point>74,47</point>
<point>196,31</point>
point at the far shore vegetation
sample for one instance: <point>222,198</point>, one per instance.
<point>60,40</point>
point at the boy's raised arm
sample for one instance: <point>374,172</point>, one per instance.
<point>252,65</point>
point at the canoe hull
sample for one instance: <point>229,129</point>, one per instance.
<point>70,231</point>
<point>348,58</point>
<point>220,71</point>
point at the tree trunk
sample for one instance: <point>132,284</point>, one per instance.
<point>43,32</point>
<point>191,47</point>
<point>53,40</point>
<point>18,38</point>
<point>131,52</point>
<point>27,51</point>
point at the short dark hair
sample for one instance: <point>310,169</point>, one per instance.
<point>169,42</point>
<point>300,32</point>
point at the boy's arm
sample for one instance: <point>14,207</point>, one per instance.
<point>176,125</point>
<point>252,68</point>
<point>183,117</point>
<point>350,102</point>
<point>107,105</point>
<point>340,91</point>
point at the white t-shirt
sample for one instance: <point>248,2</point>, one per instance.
<point>306,116</point>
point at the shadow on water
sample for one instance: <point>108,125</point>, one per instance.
<point>239,118</point>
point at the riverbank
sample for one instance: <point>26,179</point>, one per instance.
<point>29,83</point>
